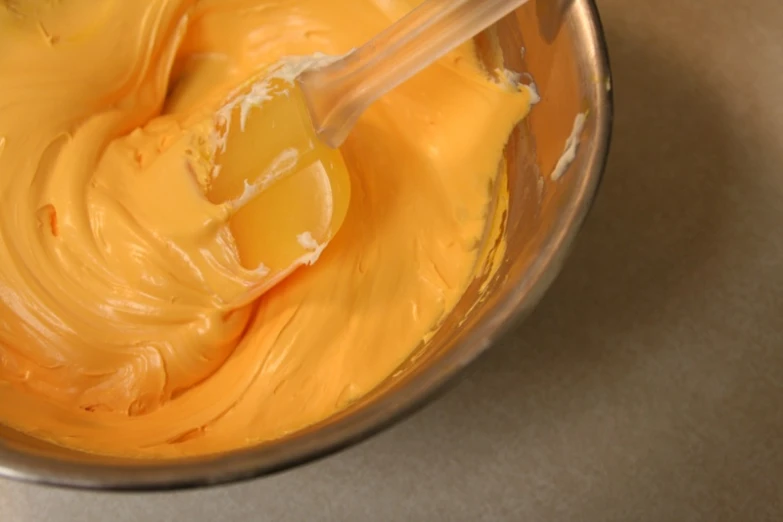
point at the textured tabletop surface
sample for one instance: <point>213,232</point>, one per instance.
<point>648,386</point>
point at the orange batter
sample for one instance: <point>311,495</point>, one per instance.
<point>130,316</point>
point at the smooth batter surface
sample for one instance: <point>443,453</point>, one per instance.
<point>120,284</point>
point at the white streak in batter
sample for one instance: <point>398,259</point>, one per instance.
<point>571,145</point>
<point>307,241</point>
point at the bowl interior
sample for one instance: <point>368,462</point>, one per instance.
<point>558,45</point>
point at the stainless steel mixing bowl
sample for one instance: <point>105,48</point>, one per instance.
<point>564,52</point>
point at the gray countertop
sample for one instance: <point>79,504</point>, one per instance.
<point>648,386</point>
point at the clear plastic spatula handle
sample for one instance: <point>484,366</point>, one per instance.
<point>337,94</point>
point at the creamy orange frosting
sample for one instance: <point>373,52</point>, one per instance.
<point>129,323</point>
